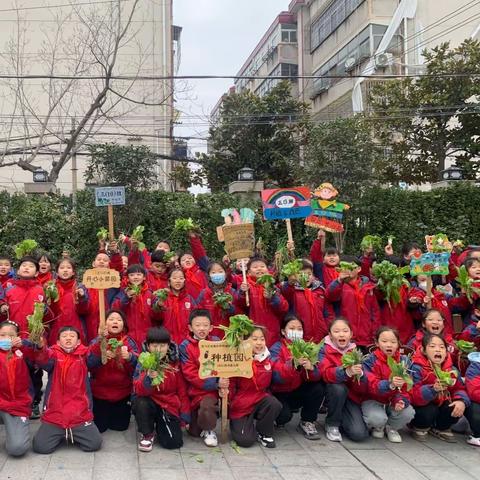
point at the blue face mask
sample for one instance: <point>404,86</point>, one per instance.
<point>6,344</point>
<point>217,278</point>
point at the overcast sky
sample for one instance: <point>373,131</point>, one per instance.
<point>217,37</point>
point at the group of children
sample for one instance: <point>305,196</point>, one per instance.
<point>168,302</point>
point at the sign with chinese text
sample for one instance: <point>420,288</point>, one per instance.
<point>284,203</point>
<point>101,278</point>
<point>430,264</point>
<point>239,240</point>
<point>109,196</point>
<point>217,359</point>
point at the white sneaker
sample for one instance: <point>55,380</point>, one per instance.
<point>209,438</point>
<point>378,432</point>
<point>333,434</point>
<point>393,436</point>
<point>473,441</point>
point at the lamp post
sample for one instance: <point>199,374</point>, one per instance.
<point>452,173</point>
<point>246,185</point>
<point>40,176</point>
<point>246,174</point>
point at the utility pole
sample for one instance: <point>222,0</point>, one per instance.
<point>74,171</point>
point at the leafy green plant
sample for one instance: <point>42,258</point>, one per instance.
<point>239,328</point>
<point>301,349</point>
<point>185,225</point>
<point>51,292</point>
<point>137,235</point>
<point>135,289</point>
<point>292,268</point>
<point>36,327</point>
<point>25,247</point>
<point>400,369</point>
<point>115,344</point>
<point>390,280</point>
<point>161,294</point>
<point>156,362</point>
<point>223,300</point>
<point>102,234</point>
<point>466,283</point>
<point>268,283</point>
<point>465,347</point>
<point>354,357</point>
<point>446,378</point>
<point>347,266</point>
<point>371,241</point>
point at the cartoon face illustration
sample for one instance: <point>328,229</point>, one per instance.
<point>326,191</point>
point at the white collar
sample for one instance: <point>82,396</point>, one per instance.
<point>260,357</point>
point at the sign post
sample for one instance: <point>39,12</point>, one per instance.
<point>218,360</point>
<point>110,196</point>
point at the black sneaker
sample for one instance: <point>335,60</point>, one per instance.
<point>35,412</point>
<point>267,442</point>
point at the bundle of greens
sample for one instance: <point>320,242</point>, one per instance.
<point>102,234</point>
<point>51,292</point>
<point>347,267</point>
<point>466,283</point>
<point>400,369</point>
<point>390,280</point>
<point>303,279</point>
<point>156,362</point>
<point>301,349</point>
<point>390,240</point>
<point>135,289</point>
<point>354,357</point>
<point>161,294</point>
<point>440,243</point>
<point>268,283</point>
<point>281,254</point>
<point>115,344</point>
<point>371,241</point>
<point>446,378</point>
<point>465,347</point>
<point>25,247</point>
<point>137,235</point>
<point>239,328</point>
<point>36,328</point>
<point>168,256</point>
<point>223,300</point>
<point>292,268</point>
<point>185,225</point>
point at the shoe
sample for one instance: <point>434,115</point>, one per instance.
<point>35,412</point>
<point>146,442</point>
<point>267,442</point>
<point>333,434</point>
<point>473,441</point>
<point>420,434</point>
<point>445,435</point>
<point>209,438</point>
<point>309,430</point>
<point>378,432</point>
<point>392,435</point>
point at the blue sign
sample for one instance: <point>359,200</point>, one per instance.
<point>284,203</point>
<point>109,196</point>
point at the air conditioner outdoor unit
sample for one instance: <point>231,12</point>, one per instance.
<point>350,63</point>
<point>383,60</point>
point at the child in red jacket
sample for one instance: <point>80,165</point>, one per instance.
<point>160,408</point>
<point>15,394</point>
<point>388,407</point>
<point>471,332</point>
<point>432,322</point>
<point>45,273</point>
<point>157,274</point>
<point>308,303</point>
<point>112,383</point>
<point>174,312</point>
<point>203,393</point>
<point>344,387</point>
<point>358,303</point>
<point>437,405</point>
<point>267,308</point>
<point>253,410</point>
<point>296,387</point>
<point>6,272</point>
<point>194,264</point>
<point>325,260</point>
<point>67,409</point>
<point>472,382</point>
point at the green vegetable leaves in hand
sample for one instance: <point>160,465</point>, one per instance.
<point>467,284</point>
<point>354,357</point>
<point>465,347</point>
<point>102,234</point>
<point>390,280</point>
<point>268,283</point>
<point>347,266</point>
<point>156,362</point>
<point>400,369</point>
<point>36,328</point>
<point>137,235</point>
<point>446,378</point>
<point>239,328</point>
<point>371,241</point>
<point>185,225</point>
<point>51,292</point>
<point>25,247</point>
<point>161,294</point>
<point>223,300</point>
<point>302,349</point>
<point>292,268</point>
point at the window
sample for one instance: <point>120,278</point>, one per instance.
<point>283,70</point>
<point>289,33</point>
<point>331,18</point>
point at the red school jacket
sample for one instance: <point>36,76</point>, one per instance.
<point>245,393</point>
<point>68,401</point>
<point>67,310</point>
<point>157,281</point>
<point>266,312</point>
<point>359,306</point>
<point>113,381</point>
<point>472,381</point>
<point>323,272</point>
<point>15,384</point>
<point>20,298</point>
<point>6,280</point>
<point>287,378</point>
<point>197,388</point>
<point>44,278</point>
<point>309,305</point>
<point>424,378</point>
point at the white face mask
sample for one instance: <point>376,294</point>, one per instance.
<point>422,285</point>
<point>294,334</point>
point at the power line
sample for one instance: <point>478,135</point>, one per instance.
<point>76,4</point>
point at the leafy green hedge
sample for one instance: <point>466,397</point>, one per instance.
<point>406,215</point>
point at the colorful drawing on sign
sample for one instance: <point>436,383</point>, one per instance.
<point>231,216</point>
<point>327,212</point>
<point>438,243</point>
<point>430,264</point>
<point>283,203</point>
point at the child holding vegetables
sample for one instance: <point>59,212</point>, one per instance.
<point>160,401</point>
<point>472,381</point>
<point>325,260</point>
<point>6,272</point>
<point>438,394</point>
<point>112,382</point>
<point>45,264</point>
<point>388,406</point>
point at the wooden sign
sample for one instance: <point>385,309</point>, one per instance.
<point>239,240</point>
<point>219,360</point>
<point>430,264</point>
<point>286,203</point>
<point>110,196</point>
<point>101,278</point>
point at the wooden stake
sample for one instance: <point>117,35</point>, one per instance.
<point>429,291</point>
<point>289,230</point>
<point>244,274</point>
<point>111,233</point>
<point>101,324</point>
<point>225,416</point>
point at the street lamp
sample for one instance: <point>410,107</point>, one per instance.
<point>40,176</point>
<point>452,173</point>
<point>246,175</point>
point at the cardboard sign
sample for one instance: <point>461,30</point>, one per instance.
<point>430,264</point>
<point>217,359</point>
<point>101,278</point>
<point>239,240</point>
<point>438,243</point>
<point>109,196</point>
<point>284,203</point>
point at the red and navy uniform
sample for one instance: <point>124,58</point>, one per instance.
<point>6,280</point>
<point>196,277</point>
<point>325,273</point>
<point>44,278</point>
<point>471,333</point>
<point>157,281</point>
<point>472,381</point>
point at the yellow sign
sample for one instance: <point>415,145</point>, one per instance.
<point>239,240</point>
<point>217,359</point>
<point>101,278</point>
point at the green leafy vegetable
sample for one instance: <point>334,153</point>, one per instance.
<point>446,378</point>
<point>162,294</point>
<point>390,280</point>
<point>354,357</point>
<point>239,328</point>
<point>156,362</point>
<point>466,283</point>
<point>303,279</point>
<point>281,254</point>
<point>102,234</point>
<point>185,225</point>
<point>51,292</point>
<point>347,266</point>
<point>168,256</point>
<point>371,241</point>
<point>223,300</point>
<point>235,447</point>
<point>137,235</point>
<point>292,268</point>
<point>465,347</point>
<point>268,283</point>
<point>390,239</point>
<point>25,247</point>
<point>115,344</point>
<point>135,289</point>
<point>36,328</point>
<point>301,349</point>
<point>400,369</point>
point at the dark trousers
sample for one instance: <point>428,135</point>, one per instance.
<point>244,430</point>
<point>36,375</point>
<point>112,415</point>
<point>308,397</point>
<point>204,417</point>
<point>151,417</point>
<point>473,416</point>
<point>434,416</point>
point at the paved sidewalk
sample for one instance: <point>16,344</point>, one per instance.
<point>295,458</point>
